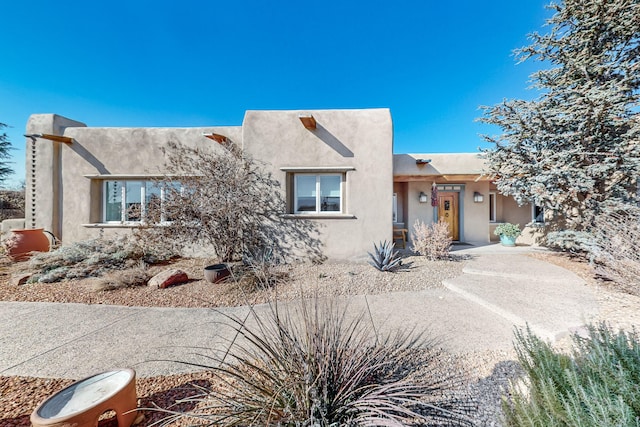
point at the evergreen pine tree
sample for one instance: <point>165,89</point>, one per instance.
<point>5,155</point>
<point>575,149</point>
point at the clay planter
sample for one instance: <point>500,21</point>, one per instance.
<point>83,402</point>
<point>216,273</point>
<point>22,242</point>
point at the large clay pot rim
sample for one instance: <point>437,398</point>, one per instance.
<point>26,229</point>
<point>216,267</point>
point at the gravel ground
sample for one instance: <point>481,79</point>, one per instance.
<point>330,278</point>
<point>488,373</point>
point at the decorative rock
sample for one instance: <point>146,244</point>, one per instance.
<point>168,278</point>
<point>20,279</point>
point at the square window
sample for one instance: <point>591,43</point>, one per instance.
<point>319,193</point>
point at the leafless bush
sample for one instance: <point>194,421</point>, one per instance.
<point>220,198</point>
<point>432,241</point>
<point>318,364</point>
<point>11,204</point>
<point>616,248</point>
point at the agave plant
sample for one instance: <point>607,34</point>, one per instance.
<point>384,257</point>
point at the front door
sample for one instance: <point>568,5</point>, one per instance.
<point>448,212</point>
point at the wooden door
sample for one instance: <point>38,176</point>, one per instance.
<point>448,212</point>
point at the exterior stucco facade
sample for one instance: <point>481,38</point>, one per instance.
<point>68,195</point>
<point>480,208</point>
<point>69,166</point>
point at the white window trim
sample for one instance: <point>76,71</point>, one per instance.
<point>318,212</point>
<point>143,203</point>
<point>533,214</point>
<point>493,207</point>
<point>395,207</point>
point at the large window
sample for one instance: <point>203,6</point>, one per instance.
<point>317,193</point>
<point>133,201</point>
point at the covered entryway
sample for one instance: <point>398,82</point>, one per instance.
<point>448,211</point>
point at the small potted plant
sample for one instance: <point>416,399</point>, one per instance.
<point>508,233</point>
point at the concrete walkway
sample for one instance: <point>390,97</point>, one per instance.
<point>474,312</point>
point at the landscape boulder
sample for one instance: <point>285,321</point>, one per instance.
<point>20,279</point>
<point>168,278</point>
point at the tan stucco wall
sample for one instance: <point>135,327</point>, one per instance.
<point>43,162</point>
<point>476,215</point>
<point>507,210</point>
<point>446,169</point>
<point>68,198</point>
<point>358,139</point>
<point>440,164</point>
<point>94,152</point>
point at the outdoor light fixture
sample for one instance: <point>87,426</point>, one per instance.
<point>422,161</point>
<point>423,197</point>
<point>308,121</point>
<point>477,197</point>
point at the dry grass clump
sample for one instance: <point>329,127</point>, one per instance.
<point>432,241</point>
<point>316,364</point>
<point>119,279</point>
<point>91,258</point>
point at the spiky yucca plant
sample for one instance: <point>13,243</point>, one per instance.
<point>317,364</point>
<point>385,257</point>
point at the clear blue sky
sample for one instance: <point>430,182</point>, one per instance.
<point>197,63</point>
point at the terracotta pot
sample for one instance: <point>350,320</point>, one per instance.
<point>22,242</point>
<point>83,402</point>
<point>216,273</point>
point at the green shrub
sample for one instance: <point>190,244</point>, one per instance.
<point>316,364</point>
<point>91,258</point>
<point>597,385</point>
<point>508,230</point>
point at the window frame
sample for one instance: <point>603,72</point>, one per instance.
<point>493,211</point>
<point>534,216</point>
<point>318,190</point>
<point>395,207</point>
<point>123,202</point>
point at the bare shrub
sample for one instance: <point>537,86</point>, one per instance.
<point>318,364</point>
<point>11,204</point>
<point>432,241</point>
<point>615,248</point>
<point>220,198</point>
